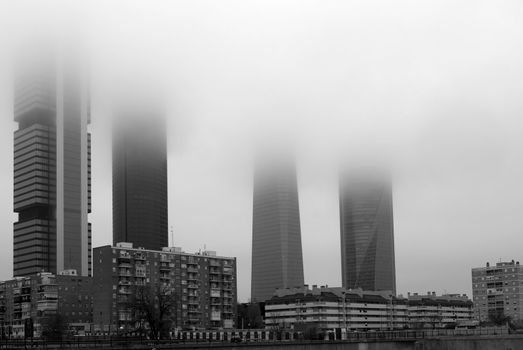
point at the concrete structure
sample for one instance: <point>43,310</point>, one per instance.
<point>30,302</point>
<point>52,170</point>
<point>497,290</point>
<point>203,286</point>
<point>367,232</point>
<point>277,260</point>
<point>357,310</point>
<point>140,179</point>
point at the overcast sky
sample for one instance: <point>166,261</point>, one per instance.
<point>433,87</point>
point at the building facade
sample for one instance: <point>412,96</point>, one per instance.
<point>52,170</point>
<point>367,232</point>
<point>140,180</point>
<point>203,287</point>
<point>28,304</point>
<point>357,310</point>
<point>498,290</point>
<point>277,259</point>
<point>439,311</point>
<point>329,308</point>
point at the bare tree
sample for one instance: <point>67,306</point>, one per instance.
<point>156,307</point>
<point>499,318</point>
<point>249,316</point>
<point>54,327</point>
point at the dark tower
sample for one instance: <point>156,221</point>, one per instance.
<point>367,232</point>
<point>140,180</point>
<point>277,260</point>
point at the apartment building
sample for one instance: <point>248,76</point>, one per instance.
<point>329,308</point>
<point>497,290</point>
<point>358,310</point>
<point>202,287</point>
<point>27,304</point>
<point>439,311</point>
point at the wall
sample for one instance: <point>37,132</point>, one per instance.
<point>508,342</point>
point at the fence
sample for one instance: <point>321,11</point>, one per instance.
<point>182,339</point>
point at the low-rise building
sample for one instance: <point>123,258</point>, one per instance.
<point>357,310</point>
<point>439,311</point>
<point>497,291</point>
<point>329,308</point>
<point>201,286</point>
<point>27,304</point>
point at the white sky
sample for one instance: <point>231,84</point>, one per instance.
<point>433,86</point>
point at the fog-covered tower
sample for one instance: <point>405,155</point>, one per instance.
<point>367,231</point>
<point>277,260</point>
<point>52,170</point>
<point>140,206</point>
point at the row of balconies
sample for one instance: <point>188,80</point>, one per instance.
<point>124,256</point>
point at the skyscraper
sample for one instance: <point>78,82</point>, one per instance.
<point>140,179</point>
<point>52,171</point>
<point>277,260</point>
<point>367,232</point>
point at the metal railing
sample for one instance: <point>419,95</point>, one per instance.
<point>218,338</point>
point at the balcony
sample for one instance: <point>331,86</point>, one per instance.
<point>192,270</point>
<point>215,316</point>
<point>495,291</point>
<point>47,305</point>
<point>123,299</point>
<point>48,296</point>
<point>215,293</point>
<point>139,256</point>
<point>192,277</point>
<point>124,256</point>
<point>214,263</point>
<point>192,286</point>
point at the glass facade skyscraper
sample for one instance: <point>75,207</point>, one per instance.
<point>52,170</point>
<point>277,260</point>
<point>140,179</point>
<point>367,232</point>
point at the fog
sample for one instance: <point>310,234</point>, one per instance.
<point>432,88</point>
